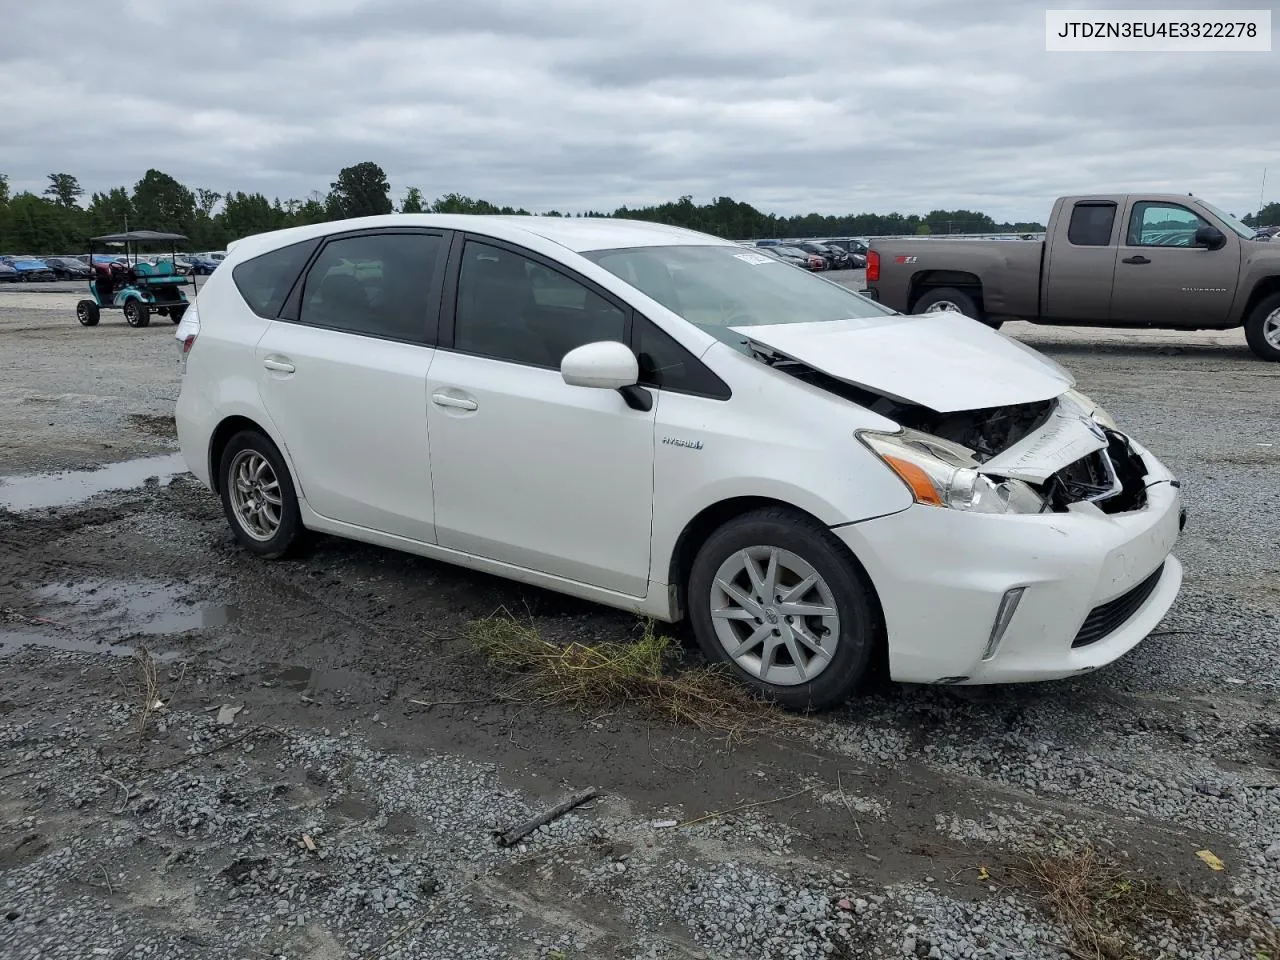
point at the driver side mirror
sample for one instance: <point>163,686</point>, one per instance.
<point>1210,237</point>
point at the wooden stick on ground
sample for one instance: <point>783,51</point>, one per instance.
<point>518,833</point>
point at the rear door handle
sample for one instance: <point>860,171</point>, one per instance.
<point>458,403</point>
<point>280,366</point>
<point>1138,259</point>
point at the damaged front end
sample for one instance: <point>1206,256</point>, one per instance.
<point>1039,457</point>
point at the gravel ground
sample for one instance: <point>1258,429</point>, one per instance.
<point>348,807</point>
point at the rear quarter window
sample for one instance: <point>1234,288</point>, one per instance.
<point>265,280</point>
<point>1090,224</point>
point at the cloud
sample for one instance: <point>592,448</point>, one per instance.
<point>791,105</point>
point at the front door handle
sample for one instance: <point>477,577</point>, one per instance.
<point>1135,259</point>
<point>280,366</point>
<point>458,403</point>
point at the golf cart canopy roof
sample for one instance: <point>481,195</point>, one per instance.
<point>138,236</point>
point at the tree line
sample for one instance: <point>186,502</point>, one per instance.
<point>61,220</point>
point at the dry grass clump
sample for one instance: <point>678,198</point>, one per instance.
<point>1101,905</point>
<point>645,672</point>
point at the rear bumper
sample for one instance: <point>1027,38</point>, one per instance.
<point>942,575</point>
<point>871,293</point>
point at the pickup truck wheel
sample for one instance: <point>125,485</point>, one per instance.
<point>1262,329</point>
<point>950,299</point>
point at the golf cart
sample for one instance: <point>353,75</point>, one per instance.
<point>133,285</point>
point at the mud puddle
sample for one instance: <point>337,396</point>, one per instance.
<point>41,490</point>
<point>12,640</point>
<point>131,607</point>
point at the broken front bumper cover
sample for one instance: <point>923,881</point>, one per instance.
<point>943,576</point>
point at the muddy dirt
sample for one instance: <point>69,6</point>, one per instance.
<point>205,755</point>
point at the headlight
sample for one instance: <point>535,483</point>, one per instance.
<point>1100,416</point>
<point>943,474</point>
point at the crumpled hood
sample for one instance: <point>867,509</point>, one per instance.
<point>942,361</point>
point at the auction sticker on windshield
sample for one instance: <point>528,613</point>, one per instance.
<point>754,258</point>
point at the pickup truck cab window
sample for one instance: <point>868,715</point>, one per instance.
<point>1163,225</point>
<point>1091,224</point>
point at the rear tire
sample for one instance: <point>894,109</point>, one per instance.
<point>136,313</point>
<point>87,313</point>
<point>175,313</point>
<point>252,477</point>
<point>1262,329</point>
<point>846,634</point>
<point>952,299</point>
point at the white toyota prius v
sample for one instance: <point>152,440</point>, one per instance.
<point>673,424</point>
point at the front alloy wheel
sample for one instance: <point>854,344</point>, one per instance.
<point>774,615</point>
<point>778,598</point>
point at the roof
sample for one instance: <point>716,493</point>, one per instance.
<point>578,234</point>
<point>138,236</point>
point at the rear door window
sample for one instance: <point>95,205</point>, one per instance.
<point>376,285</point>
<point>1091,224</point>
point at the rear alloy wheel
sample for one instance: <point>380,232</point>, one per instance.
<point>258,496</point>
<point>1262,329</point>
<point>87,313</point>
<point>953,300</point>
<point>136,313</point>
<point>775,596</point>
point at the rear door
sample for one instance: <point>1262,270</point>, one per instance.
<point>343,373</point>
<point>1081,254</point>
<point>1163,279</point>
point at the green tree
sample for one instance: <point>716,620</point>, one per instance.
<point>161,203</point>
<point>206,200</point>
<point>245,214</point>
<point>360,191</point>
<point>65,189</point>
<point>923,230</point>
<point>413,202</point>
<point>4,189</point>
<point>110,212</point>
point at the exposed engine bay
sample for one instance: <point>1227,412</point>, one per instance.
<point>1111,475</point>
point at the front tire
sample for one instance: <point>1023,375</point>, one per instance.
<point>136,313</point>
<point>1262,329</point>
<point>954,300</point>
<point>87,313</point>
<point>258,496</point>
<point>775,596</point>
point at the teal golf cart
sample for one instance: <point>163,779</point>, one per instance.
<point>136,287</point>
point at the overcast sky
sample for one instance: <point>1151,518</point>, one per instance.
<point>792,105</point>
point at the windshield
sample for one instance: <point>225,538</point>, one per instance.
<point>1230,221</point>
<point>718,287</point>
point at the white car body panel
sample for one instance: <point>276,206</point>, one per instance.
<point>540,474</point>
<point>937,360</point>
<point>571,489</point>
<point>381,408</point>
<point>1069,434</point>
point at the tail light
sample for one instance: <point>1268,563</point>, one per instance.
<point>873,265</point>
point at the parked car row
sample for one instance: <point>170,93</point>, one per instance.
<point>20,267</point>
<point>834,254</point>
<point>817,255</point>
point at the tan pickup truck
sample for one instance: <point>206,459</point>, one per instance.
<point>1121,260</point>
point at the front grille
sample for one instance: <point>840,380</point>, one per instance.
<point>1110,616</point>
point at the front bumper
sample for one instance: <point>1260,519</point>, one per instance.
<point>941,576</point>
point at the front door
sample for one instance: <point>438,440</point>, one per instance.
<point>526,469</point>
<point>345,382</point>
<point>1162,279</point>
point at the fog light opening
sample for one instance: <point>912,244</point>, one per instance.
<point>1004,615</point>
